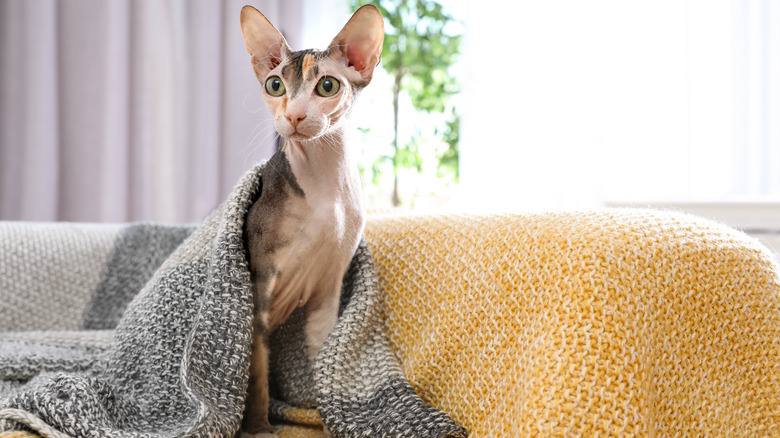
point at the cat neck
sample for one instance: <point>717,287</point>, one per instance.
<point>326,160</point>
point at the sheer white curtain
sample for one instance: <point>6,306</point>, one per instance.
<point>576,104</point>
<point>125,110</point>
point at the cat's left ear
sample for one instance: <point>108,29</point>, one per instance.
<point>359,44</point>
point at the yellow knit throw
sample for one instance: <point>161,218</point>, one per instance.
<point>614,323</point>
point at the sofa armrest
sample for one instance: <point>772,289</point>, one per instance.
<point>57,276</point>
<point>618,322</point>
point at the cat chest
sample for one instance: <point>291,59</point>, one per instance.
<point>322,221</point>
<point>329,224</point>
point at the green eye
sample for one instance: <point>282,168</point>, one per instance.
<point>328,86</point>
<point>274,86</point>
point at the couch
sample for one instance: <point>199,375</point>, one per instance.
<point>616,322</point>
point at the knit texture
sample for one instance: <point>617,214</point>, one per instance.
<point>74,256</point>
<point>609,323</point>
<point>157,342</point>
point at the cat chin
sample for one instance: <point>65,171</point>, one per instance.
<point>301,137</point>
<point>305,136</point>
<point>297,135</point>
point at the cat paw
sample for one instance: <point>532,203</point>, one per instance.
<point>243,434</point>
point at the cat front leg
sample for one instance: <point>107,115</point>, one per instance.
<point>321,315</point>
<point>255,423</point>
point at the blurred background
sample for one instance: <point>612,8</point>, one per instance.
<point>148,109</point>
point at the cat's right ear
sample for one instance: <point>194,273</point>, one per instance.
<point>266,45</point>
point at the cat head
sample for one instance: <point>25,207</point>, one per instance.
<point>310,91</point>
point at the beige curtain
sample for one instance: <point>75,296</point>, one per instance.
<point>116,111</point>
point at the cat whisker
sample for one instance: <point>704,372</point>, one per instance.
<point>262,125</point>
<point>251,110</point>
<point>330,140</point>
<point>270,164</point>
<point>258,138</point>
<point>260,131</point>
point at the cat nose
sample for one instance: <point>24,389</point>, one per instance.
<point>295,119</point>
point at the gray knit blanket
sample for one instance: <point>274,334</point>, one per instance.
<point>144,330</point>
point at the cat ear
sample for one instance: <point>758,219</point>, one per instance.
<point>263,41</point>
<point>359,44</point>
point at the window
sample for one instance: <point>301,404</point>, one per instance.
<point>582,104</point>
